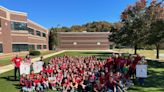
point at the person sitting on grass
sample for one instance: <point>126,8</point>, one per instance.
<point>28,85</point>
<point>37,84</point>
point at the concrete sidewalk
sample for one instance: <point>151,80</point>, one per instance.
<point>6,68</point>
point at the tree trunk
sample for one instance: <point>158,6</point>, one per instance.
<point>135,49</point>
<point>157,49</point>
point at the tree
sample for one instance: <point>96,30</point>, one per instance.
<point>133,24</point>
<point>53,38</point>
<point>155,24</point>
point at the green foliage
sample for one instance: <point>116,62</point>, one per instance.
<point>101,26</point>
<point>53,38</point>
<point>35,53</point>
<point>142,25</point>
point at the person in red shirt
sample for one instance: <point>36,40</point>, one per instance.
<point>17,62</point>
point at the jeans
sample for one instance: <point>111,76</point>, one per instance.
<point>15,72</point>
<point>141,81</point>
<point>109,90</point>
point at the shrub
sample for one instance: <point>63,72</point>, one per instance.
<point>35,53</point>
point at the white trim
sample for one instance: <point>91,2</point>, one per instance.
<point>28,20</point>
<point>18,21</point>
<point>19,34</point>
<point>20,31</point>
<point>4,18</point>
<point>14,12</point>
<point>37,37</point>
<point>84,32</point>
<point>19,42</point>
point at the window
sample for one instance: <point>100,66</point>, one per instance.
<point>44,46</point>
<point>38,33</point>
<point>31,47</point>
<point>18,26</point>
<point>31,31</point>
<point>39,46</point>
<point>1,48</point>
<point>43,34</point>
<point>19,47</point>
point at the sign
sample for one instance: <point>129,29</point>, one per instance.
<point>24,68</point>
<point>141,71</point>
<point>37,66</point>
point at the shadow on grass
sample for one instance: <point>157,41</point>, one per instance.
<point>155,80</point>
<point>9,78</point>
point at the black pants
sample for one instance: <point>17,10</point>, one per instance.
<point>15,73</point>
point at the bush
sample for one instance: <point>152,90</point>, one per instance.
<point>35,53</point>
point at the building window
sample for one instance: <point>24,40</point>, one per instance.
<point>44,46</point>
<point>98,43</point>
<point>39,47</point>
<point>19,47</point>
<point>43,34</point>
<point>31,31</point>
<point>18,26</point>
<point>74,43</point>
<point>38,33</point>
<point>31,47</point>
<point>1,48</point>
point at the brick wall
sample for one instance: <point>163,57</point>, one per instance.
<point>83,40</point>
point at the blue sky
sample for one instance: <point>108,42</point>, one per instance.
<point>50,13</point>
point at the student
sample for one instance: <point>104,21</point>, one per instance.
<point>37,84</point>
<point>22,80</point>
<point>17,62</point>
<point>111,85</point>
<point>27,59</point>
<point>142,62</point>
<point>28,85</point>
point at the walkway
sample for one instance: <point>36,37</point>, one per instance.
<point>6,68</point>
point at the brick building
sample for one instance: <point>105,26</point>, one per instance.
<point>84,40</point>
<point>17,33</point>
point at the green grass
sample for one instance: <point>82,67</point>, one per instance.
<point>154,82</point>
<point>7,60</point>
<point>147,53</point>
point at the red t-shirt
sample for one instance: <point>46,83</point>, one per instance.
<point>17,61</point>
<point>32,75</point>
<point>102,80</point>
<point>36,81</point>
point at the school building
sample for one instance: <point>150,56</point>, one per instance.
<point>84,41</point>
<point>18,33</point>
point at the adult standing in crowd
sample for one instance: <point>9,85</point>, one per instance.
<point>17,62</point>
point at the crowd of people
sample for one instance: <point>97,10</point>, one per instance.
<point>83,74</point>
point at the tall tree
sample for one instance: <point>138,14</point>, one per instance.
<point>53,38</point>
<point>155,24</point>
<point>133,28</point>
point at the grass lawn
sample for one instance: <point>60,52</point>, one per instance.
<point>154,82</point>
<point>7,60</point>
<point>147,53</point>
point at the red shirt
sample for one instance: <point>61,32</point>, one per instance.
<point>17,61</point>
<point>102,80</point>
<point>32,75</point>
<point>36,81</point>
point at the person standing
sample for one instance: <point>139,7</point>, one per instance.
<point>27,59</point>
<point>17,62</point>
